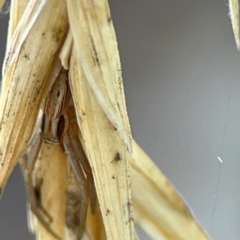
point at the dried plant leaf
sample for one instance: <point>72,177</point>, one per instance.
<point>97,58</point>
<point>107,154</point>
<point>95,224</point>
<point>234,15</point>
<point>26,22</point>
<point>160,211</point>
<point>16,11</point>
<point>1,4</point>
<point>66,51</point>
<point>28,79</point>
<point>96,45</point>
<point>37,32</point>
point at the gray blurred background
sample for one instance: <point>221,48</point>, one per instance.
<point>181,74</point>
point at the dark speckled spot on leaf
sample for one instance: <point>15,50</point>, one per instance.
<point>118,157</point>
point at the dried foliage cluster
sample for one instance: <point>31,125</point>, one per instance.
<point>63,106</point>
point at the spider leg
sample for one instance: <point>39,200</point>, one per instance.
<point>34,190</point>
<point>76,207</point>
<point>82,171</point>
<point>87,169</point>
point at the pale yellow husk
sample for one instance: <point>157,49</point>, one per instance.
<point>96,46</point>
<point>37,33</point>
<point>234,15</point>
<point>102,143</point>
<point>158,208</point>
<point>30,65</point>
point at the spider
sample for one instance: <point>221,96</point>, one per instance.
<point>59,126</point>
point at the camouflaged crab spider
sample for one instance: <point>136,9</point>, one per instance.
<point>59,126</point>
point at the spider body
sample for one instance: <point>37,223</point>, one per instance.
<point>59,126</point>
<point>55,121</point>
